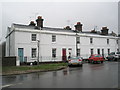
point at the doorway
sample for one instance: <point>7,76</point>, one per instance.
<point>64,57</point>
<point>21,54</point>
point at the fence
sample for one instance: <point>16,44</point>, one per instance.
<point>9,61</point>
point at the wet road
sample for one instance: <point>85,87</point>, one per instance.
<point>89,76</point>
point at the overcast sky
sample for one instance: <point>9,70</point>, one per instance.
<point>61,14</point>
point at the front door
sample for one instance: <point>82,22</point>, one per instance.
<point>64,57</point>
<point>20,54</point>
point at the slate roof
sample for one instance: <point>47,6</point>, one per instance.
<point>53,29</point>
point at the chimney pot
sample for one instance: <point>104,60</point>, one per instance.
<point>78,23</point>
<point>39,17</point>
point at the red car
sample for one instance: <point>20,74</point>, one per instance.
<point>96,58</point>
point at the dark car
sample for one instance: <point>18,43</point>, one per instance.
<point>96,58</point>
<point>113,56</point>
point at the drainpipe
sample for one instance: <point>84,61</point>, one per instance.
<point>9,45</point>
<point>76,44</point>
<point>38,51</point>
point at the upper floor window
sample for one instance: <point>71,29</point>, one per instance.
<point>91,40</point>
<point>53,38</point>
<point>117,41</point>
<point>33,37</point>
<point>78,39</point>
<point>107,41</point>
<point>34,52</point>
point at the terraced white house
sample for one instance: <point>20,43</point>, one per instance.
<point>35,42</point>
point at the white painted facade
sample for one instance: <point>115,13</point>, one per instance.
<point>21,38</point>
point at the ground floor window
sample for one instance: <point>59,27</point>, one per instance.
<point>98,51</point>
<point>70,51</point>
<point>78,52</point>
<point>91,51</point>
<point>53,52</point>
<point>102,52</point>
<point>33,52</point>
<point>118,50</point>
<point>108,51</point>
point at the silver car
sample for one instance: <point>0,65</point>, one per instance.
<point>75,61</point>
<point>113,56</point>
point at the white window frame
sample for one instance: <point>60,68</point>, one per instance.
<point>78,40</point>
<point>54,52</point>
<point>78,52</point>
<point>91,51</point>
<point>98,51</point>
<point>117,41</point>
<point>91,40</point>
<point>108,41</point>
<point>33,38</point>
<point>33,53</point>
<point>53,38</point>
<point>108,50</point>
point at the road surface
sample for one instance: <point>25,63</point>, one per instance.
<point>89,76</point>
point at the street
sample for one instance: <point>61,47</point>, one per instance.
<point>89,76</point>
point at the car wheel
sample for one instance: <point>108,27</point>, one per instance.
<point>69,65</point>
<point>88,61</point>
<point>113,59</point>
<point>81,65</point>
<point>92,62</point>
<point>101,61</point>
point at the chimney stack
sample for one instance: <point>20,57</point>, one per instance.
<point>104,31</point>
<point>39,21</point>
<point>78,26</point>
<point>67,28</point>
<point>32,23</point>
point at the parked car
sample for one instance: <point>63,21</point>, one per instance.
<point>113,56</point>
<point>75,61</point>
<point>96,58</point>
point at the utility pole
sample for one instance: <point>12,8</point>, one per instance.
<point>38,44</point>
<point>76,44</point>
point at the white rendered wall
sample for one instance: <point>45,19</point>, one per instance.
<point>10,44</point>
<point>22,39</point>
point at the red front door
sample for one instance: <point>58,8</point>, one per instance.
<point>64,57</point>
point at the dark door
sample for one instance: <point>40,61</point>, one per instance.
<point>64,57</point>
<point>103,52</point>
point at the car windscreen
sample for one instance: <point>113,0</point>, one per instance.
<point>97,56</point>
<point>118,52</point>
<point>112,53</point>
<point>75,58</point>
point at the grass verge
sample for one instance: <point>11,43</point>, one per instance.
<point>8,70</point>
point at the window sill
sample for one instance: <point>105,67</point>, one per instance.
<point>33,41</point>
<point>91,44</point>
<point>53,42</point>
<point>54,58</point>
<point>34,58</point>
